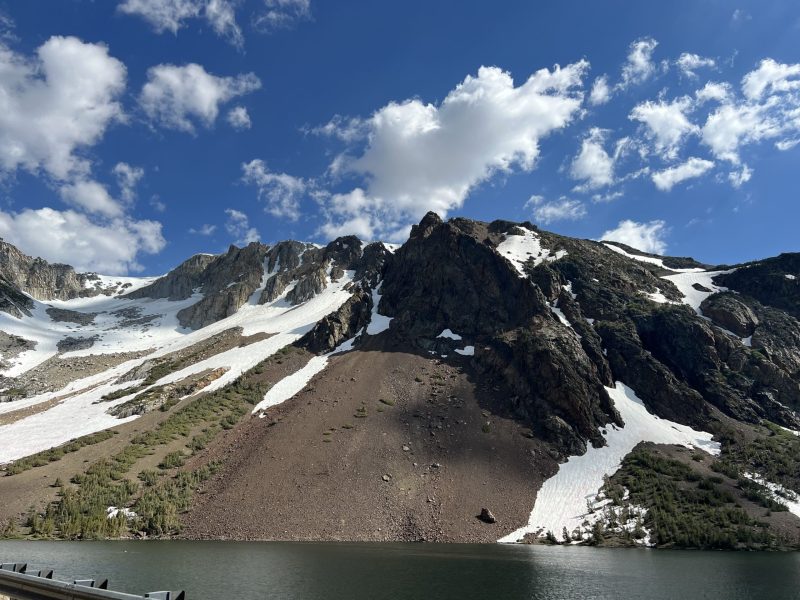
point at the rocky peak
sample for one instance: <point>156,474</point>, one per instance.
<point>40,279</point>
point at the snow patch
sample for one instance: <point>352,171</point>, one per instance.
<point>446,333</point>
<point>519,249</point>
<point>659,262</point>
<point>113,511</point>
<point>778,492</point>
<point>686,281</point>
<point>790,277</point>
<point>293,384</point>
<point>377,322</point>
<point>561,502</point>
<point>466,351</point>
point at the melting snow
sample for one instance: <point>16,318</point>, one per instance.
<point>79,415</point>
<point>518,249</point>
<point>561,502</point>
<point>377,322</point>
<point>466,351</point>
<point>446,333</point>
<point>779,493</point>
<point>686,281</point>
<point>113,511</point>
<point>659,262</point>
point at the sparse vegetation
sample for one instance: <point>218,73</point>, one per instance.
<point>683,508</point>
<point>172,460</point>
<point>81,510</point>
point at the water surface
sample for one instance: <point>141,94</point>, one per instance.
<point>312,571</point>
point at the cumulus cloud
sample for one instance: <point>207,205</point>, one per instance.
<point>593,165</point>
<point>640,66</point>
<point>73,238</point>
<point>56,105</point>
<point>666,122</point>
<point>282,14</point>
<point>281,192</point>
<point>238,226</point>
<point>689,63</point>
<point>647,237</point>
<point>668,178</point>
<point>128,177</point>
<point>92,197</point>
<point>771,76</point>
<point>179,97</point>
<point>239,118</point>
<point>421,157</point>
<point>172,15</point>
<point>714,92</point>
<point>601,92</point>
<point>563,209</point>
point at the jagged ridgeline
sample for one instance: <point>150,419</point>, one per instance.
<point>477,366</point>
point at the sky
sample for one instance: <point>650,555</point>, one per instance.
<point>135,133</point>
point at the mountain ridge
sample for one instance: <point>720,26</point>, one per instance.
<point>543,327</point>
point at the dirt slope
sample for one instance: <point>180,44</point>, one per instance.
<point>418,466</point>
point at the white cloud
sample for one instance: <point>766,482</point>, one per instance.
<point>92,197</point>
<point>639,66</point>
<point>607,197</point>
<point>282,14</point>
<point>73,238</point>
<point>668,178</point>
<point>771,76</point>
<point>593,165</point>
<point>171,15</point>
<point>713,91</point>
<point>205,229</point>
<point>157,204</point>
<point>647,237</point>
<point>563,209</point>
<point>740,177</point>
<point>666,122</point>
<point>163,15</point>
<point>56,105</point>
<point>787,144</point>
<point>282,192</point>
<point>176,97</point>
<point>601,92</point>
<point>238,118</point>
<point>238,226</point>
<point>221,15</point>
<point>346,129</point>
<point>732,125</point>
<point>689,63</point>
<point>422,157</point>
<point>128,178</point>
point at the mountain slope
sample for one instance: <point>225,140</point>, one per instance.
<point>397,392</point>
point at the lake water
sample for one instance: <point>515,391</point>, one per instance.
<point>311,571</point>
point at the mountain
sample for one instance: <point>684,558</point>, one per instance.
<point>481,382</point>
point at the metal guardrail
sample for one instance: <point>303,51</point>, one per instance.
<point>19,584</point>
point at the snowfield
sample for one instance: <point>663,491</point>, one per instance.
<point>562,500</point>
<point>686,282</point>
<point>518,249</point>
<point>78,414</point>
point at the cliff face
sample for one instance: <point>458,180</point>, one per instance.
<point>40,279</point>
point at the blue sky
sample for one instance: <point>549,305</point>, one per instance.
<point>134,133</point>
